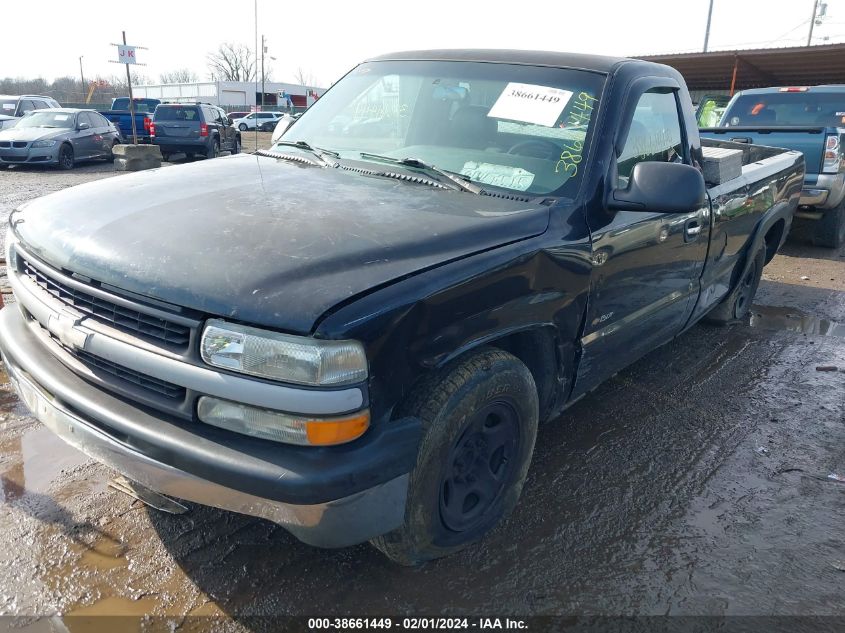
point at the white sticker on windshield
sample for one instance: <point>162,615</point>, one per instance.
<point>531,104</point>
<point>61,117</point>
<point>8,106</point>
<point>498,175</point>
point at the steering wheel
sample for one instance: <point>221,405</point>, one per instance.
<point>536,148</point>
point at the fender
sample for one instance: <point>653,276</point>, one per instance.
<point>421,323</point>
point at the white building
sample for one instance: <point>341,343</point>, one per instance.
<point>232,93</point>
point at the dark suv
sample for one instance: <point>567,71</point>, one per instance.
<point>195,129</point>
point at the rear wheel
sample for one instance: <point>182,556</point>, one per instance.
<point>213,150</point>
<point>737,304</point>
<point>830,230</point>
<point>479,418</point>
<point>66,157</point>
<point>242,127</point>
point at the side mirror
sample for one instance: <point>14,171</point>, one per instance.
<point>83,126</point>
<point>661,188</point>
<point>229,120</point>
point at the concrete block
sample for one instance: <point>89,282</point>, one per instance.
<point>136,157</point>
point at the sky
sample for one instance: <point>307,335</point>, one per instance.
<point>329,37</point>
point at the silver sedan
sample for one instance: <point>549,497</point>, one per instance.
<point>58,136</point>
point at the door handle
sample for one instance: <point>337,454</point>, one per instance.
<point>691,230</point>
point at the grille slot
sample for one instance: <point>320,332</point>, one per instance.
<point>137,323</point>
<point>166,389</point>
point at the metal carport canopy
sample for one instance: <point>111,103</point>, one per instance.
<point>759,68</point>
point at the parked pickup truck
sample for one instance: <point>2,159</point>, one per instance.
<point>810,120</point>
<point>121,116</point>
<point>355,333</point>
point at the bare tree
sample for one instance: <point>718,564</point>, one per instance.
<point>305,78</point>
<point>178,76</point>
<point>232,62</point>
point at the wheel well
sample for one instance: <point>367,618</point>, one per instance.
<point>537,349</point>
<point>772,239</point>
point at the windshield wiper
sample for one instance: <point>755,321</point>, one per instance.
<point>317,151</point>
<point>459,181</point>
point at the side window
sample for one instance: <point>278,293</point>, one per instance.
<point>26,106</point>
<point>100,120</point>
<point>654,135</point>
<point>85,117</point>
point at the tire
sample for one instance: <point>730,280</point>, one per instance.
<point>236,146</point>
<point>830,230</point>
<point>479,417</point>
<point>66,157</point>
<point>242,127</point>
<point>165,157</point>
<point>213,150</point>
<point>735,306</point>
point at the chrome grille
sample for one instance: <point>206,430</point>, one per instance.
<point>146,326</point>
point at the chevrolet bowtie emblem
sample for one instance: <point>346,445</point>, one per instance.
<point>63,326</point>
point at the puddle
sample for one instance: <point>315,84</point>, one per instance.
<point>106,553</point>
<point>110,614</point>
<point>38,458</point>
<point>792,320</point>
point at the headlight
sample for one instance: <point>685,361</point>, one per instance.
<point>282,427</point>
<point>296,359</point>
<point>44,143</point>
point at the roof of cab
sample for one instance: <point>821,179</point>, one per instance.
<point>828,88</point>
<point>553,59</point>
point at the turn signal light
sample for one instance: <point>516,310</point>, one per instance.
<point>282,427</point>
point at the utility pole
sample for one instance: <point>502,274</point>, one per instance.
<point>131,99</point>
<point>812,21</point>
<point>707,31</point>
<point>82,77</point>
<point>263,50</point>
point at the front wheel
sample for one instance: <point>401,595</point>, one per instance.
<point>479,417</point>
<point>737,304</point>
<point>66,157</point>
<point>242,127</point>
<point>830,229</point>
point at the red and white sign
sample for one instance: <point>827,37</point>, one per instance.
<point>126,54</point>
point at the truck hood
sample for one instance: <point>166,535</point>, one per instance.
<point>262,240</point>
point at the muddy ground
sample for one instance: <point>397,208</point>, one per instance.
<point>695,482</point>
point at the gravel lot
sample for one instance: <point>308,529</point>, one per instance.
<point>693,483</point>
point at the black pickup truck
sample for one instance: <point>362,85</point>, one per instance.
<point>356,333</point>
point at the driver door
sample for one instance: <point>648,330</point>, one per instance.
<point>645,263</point>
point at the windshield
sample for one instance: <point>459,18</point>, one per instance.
<point>47,119</point>
<point>523,128</point>
<point>806,108</point>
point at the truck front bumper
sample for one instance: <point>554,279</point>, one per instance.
<point>95,422</point>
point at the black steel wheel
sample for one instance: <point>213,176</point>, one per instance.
<point>737,303</point>
<point>479,416</point>
<point>478,467</point>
